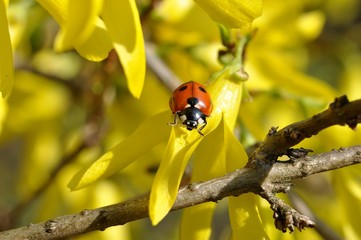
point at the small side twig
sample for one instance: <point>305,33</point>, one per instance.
<point>340,112</point>
<point>278,143</point>
<point>156,64</point>
<point>285,216</point>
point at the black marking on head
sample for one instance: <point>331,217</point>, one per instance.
<point>192,101</point>
<point>183,88</point>
<point>202,89</point>
<point>192,117</point>
<point>191,124</point>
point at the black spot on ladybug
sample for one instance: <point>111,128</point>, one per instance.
<point>183,88</point>
<point>202,89</point>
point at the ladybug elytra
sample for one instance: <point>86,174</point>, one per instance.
<point>192,104</point>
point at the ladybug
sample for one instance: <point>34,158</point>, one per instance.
<point>192,104</point>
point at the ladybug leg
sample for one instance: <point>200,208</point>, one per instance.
<point>175,122</point>
<point>201,128</point>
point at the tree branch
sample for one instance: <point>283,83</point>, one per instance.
<point>340,112</point>
<point>233,184</point>
<point>263,175</point>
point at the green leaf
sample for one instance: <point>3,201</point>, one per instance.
<point>6,59</point>
<point>148,135</point>
<point>123,23</point>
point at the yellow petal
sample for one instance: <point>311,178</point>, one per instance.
<point>98,45</point>
<point>180,147</point>
<point>245,219</point>
<point>348,190</point>
<point>166,183</point>
<point>149,134</point>
<point>56,8</point>
<point>94,48</point>
<point>222,148</point>
<point>254,125</point>
<point>197,222</point>
<point>272,67</point>
<point>311,24</point>
<point>122,20</point>
<point>226,97</point>
<point>236,155</point>
<point>243,210</point>
<point>209,162</point>
<point>79,24</point>
<point>3,112</point>
<point>6,59</point>
<point>232,13</point>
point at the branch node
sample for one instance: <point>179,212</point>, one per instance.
<point>30,225</point>
<point>282,187</point>
<point>341,149</point>
<point>294,153</point>
<point>213,199</point>
<point>103,217</point>
<point>352,123</point>
<point>84,212</point>
<point>285,217</point>
<point>339,102</point>
<point>293,134</point>
<point>272,131</point>
<point>50,226</point>
<point>192,187</point>
<point>357,157</point>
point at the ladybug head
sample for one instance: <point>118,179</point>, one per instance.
<point>190,124</point>
<point>192,117</point>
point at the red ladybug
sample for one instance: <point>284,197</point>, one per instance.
<point>192,104</point>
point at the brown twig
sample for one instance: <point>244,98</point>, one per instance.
<point>340,112</point>
<point>278,143</point>
<point>156,64</point>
